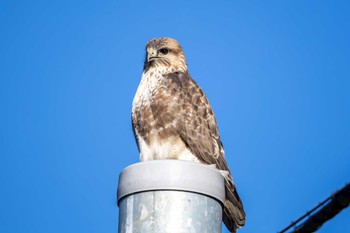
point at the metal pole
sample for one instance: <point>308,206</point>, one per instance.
<point>170,196</point>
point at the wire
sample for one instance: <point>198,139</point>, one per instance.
<point>326,210</point>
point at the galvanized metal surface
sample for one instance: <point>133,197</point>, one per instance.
<point>169,212</point>
<point>170,196</point>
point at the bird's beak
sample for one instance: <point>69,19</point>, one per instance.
<point>151,54</point>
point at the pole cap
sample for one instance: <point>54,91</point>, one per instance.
<point>171,175</point>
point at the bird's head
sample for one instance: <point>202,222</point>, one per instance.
<point>165,54</point>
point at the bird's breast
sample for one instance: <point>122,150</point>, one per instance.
<point>155,121</point>
<point>146,90</point>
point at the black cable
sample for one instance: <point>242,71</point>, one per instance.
<point>326,210</point>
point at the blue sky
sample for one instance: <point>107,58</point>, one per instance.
<point>276,74</point>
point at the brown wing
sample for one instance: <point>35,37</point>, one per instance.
<point>198,129</point>
<point>195,122</point>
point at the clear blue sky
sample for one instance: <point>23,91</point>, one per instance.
<point>277,74</point>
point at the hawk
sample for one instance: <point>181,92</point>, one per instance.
<point>172,119</point>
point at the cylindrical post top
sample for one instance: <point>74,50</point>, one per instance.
<point>171,175</point>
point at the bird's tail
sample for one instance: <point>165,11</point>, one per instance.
<point>233,214</point>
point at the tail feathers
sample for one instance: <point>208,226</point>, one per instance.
<point>233,215</point>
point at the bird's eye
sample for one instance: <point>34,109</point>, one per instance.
<point>164,51</point>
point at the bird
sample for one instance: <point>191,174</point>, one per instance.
<point>172,119</point>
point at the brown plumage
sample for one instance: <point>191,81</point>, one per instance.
<point>172,119</point>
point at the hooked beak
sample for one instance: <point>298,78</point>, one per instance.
<point>151,55</point>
